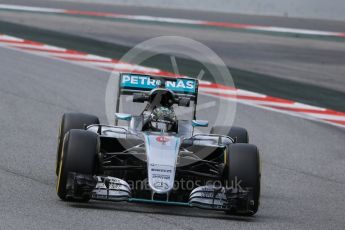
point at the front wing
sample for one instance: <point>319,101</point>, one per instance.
<point>80,186</point>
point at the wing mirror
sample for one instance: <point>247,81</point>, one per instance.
<point>140,98</point>
<point>199,123</point>
<point>184,101</point>
<point>123,116</point>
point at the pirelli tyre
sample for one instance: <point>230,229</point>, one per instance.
<point>242,167</point>
<point>72,121</point>
<point>238,133</point>
<point>80,150</point>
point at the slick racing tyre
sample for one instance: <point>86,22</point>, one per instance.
<point>79,155</point>
<point>72,121</point>
<point>242,165</point>
<point>238,133</point>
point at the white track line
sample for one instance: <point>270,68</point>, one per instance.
<point>207,88</point>
<point>148,18</point>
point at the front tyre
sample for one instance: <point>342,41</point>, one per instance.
<point>72,121</point>
<point>79,154</point>
<point>242,165</point>
<point>238,133</point>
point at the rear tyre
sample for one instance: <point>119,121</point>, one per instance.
<point>79,155</point>
<point>238,133</point>
<point>72,121</point>
<point>242,165</point>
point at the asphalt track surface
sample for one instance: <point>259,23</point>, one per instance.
<point>303,162</point>
<point>313,61</point>
<point>335,26</point>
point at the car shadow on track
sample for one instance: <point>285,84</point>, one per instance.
<point>161,210</point>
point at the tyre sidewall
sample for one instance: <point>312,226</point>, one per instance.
<point>79,155</point>
<point>243,167</point>
<point>72,121</point>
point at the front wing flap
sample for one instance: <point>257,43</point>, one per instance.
<point>80,186</point>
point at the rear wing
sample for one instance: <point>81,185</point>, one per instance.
<point>130,83</point>
<point>135,83</point>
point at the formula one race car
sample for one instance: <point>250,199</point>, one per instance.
<point>156,157</point>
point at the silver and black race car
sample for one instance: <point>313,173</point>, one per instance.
<point>156,157</point>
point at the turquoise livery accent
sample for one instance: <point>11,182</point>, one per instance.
<point>179,85</point>
<point>199,123</point>
<point>123,116</point>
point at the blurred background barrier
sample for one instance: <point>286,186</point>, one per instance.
<point>312,9</point>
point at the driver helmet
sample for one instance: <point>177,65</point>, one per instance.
<point>163,118</point>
